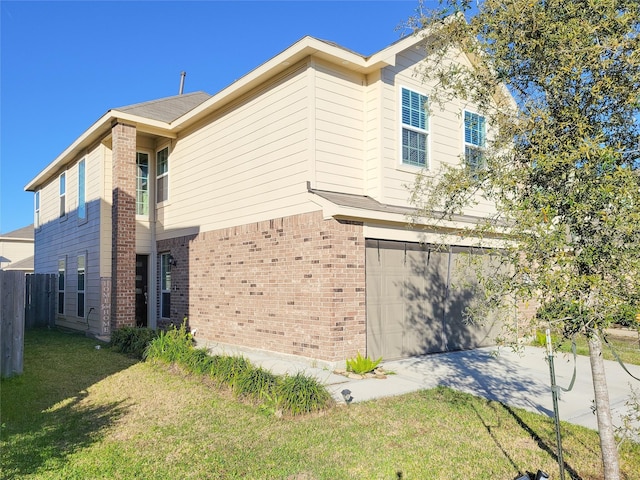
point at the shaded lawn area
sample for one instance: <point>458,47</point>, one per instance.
<point>78,412</point>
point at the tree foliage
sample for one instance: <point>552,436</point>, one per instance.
<point>562,163</point>
<point>559,83</point>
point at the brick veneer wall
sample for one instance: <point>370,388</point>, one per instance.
<point>294,285</point>
<point>123,211</point>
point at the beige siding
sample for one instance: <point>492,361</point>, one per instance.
<point>246,164</point>
<point>373,135</point>
<point>68,237</point>
<point>339,120</point>
<point>105,212</point>
<point>12,251</point>
<point>446,130</point>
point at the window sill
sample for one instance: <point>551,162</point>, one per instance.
<point>403,167</point>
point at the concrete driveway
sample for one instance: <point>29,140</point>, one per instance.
<point>516,379</point>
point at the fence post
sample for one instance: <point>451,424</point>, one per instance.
<point>12,293</point>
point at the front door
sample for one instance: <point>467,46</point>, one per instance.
<point>142,277</point>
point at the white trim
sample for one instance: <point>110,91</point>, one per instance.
<point>82,255</point>
<point>401,126</point>
<point>84,219</point>
<point>158,202</point>
<point>62,260</point>
<point>150,191</point>
<point>36,209</point>
<point>162,278</point>
<point>62,196</point>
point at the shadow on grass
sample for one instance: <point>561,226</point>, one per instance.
<point>542,444</point>
<point>483,374</point>
<point>55,434</point>
<point>44,417</point>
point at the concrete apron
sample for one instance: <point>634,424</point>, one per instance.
<point>515,379</point>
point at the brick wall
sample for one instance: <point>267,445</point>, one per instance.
<point>294,285</point>
<point>123,246</point>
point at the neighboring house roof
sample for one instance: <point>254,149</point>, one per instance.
<point>25,264</point>
<point>15,245</point>
<point>25,233</point>
<point>166,109</point>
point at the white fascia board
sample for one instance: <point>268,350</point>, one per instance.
<point>306,47</point>
<point>387,56</point>
<point>93,134</point>
<point>88,137</point>
<point>144,125</point>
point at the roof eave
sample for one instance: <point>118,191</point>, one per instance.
<point>305,47</point>
<point>93,134</point>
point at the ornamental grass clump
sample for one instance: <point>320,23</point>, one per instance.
<point>295,395</point>
<point>132,340</point>
<point>171,346</point>
<point>299,394</point>
<point>362,365</point>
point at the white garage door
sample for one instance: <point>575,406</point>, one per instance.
<point>416,298</point>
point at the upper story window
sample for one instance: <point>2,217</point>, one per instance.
<point>474,140</point>
<point>142,184</point>
<point>36,209</point>
<point>82,207</point>
<point>415,128</point>
<point>62,190</point>
<point>162,175</point>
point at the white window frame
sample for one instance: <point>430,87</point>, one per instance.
<point>62,195</point>
<point>36,209</point>
<point>474,151</point>
<point>82,191</point>
<point>415,129</point>
<point>162,177</point>
<point>139,183</point>
<point>81,269</point>
<point>62,269</point>
<point>165,284</point>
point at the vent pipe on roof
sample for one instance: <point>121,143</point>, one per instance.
<point>182,75</point>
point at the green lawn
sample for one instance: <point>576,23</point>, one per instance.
<point>79,413</point>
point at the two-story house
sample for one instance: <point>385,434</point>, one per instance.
<point>272,214</point>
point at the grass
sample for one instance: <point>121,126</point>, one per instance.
<point>78,413</point>
<point>626,347</point>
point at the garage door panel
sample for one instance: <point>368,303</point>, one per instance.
<point>464,332</point>
<point>417,299</point>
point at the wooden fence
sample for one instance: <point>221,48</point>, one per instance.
<point>40,300</point>
<point>28,300</point>
<point>12,290</point>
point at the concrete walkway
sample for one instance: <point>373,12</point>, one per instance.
<point>516,379</point>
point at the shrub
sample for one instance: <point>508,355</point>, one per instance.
<point>256,382</point>
<point>296,394</point>
<point>300,394</point>
<point>132,340</point>
<point>227,369</point>
<point>362,365</point>
<point>173,345</point>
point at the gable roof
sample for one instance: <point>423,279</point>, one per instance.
<point>26,264</point>
<point>166,109</point>
<point>23,233</point>
<point>168,116</point>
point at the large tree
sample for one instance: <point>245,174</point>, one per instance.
<point>560,160</point>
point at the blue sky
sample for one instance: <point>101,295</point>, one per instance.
<point>65,64</point>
